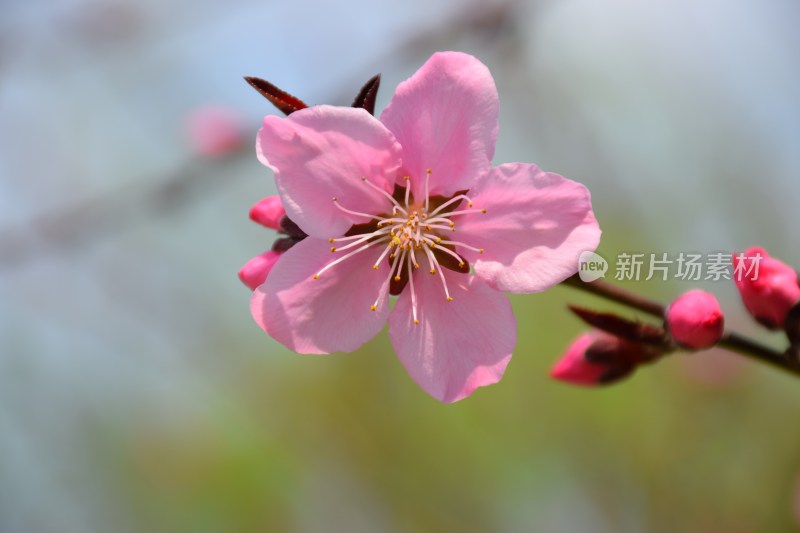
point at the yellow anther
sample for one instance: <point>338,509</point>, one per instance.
<point>433,271</point>
<point>333,248</point>
<point>416,321</point>
<point>480,250</point>
<point>416,265</point>
<point>375,267</point>
<point>406,178</point>
<point>461,265</point>
<point>331,240</point>
<point>373,307</point>
<point>438,240</point>
<point>483,210</point>
<point>316,276</point>
<point>469,204</point>
<point>452,224</point>
<point>397,278</point>
<point>449,299</point>
<point>427,171</point>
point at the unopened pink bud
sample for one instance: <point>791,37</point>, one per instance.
<point>695,320</point>
<point>268,212</point>
<point>214,131</point>
<point>769,288</point>
<point>594,358</point>
<point>255,271</point>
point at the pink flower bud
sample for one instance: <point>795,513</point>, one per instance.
<point>596,358</point>
<point>695,320</point>
<point>255,271</point>
<point>769,287</point>
<point>268,212</point>
<point>214,131</point>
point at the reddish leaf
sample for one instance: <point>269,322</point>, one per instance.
<point>367,94</point>
<point>622,327</point>
<point>284,101</point>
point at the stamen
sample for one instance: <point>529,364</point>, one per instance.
<point>365,237</point>
<point>467,246</point>
<point>435,266</point>
<point>386,194</point>
<point>452,253</point>
<point>346,256</point>
<point>482,210</point>
<point>356,213</point>
<point>450,202</point>
<point>398,262</point>
<point>355,237</point>
<point>436,226</point>
<point>431,260</point>
<point>413,258</point>
<point>407,179</point>
<point>383,255</point>
<point>413,294</point>
<point>427,179</point>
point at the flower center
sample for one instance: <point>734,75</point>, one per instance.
<point>410,232</point>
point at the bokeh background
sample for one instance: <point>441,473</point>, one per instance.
<point>136,393</point>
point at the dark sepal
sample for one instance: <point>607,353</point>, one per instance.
<point>367,94</point>
<point>616,373</point>
<point>284,243</point>
<point>284,101</point>
<point>612,353</point>
<point>290,228</point>
<point>622,327</point>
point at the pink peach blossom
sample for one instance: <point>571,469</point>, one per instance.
<point>410,205</point>
<point>600,358</point>
<point>768,291</point>
<point>214,131</point>
<point>573,366</point>
<point>695,320</point>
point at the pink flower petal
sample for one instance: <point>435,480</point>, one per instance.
<point>322,152</point>
<point>255,271</point>
<point>535,227</point>
<point>458,346</point>
<point>445,117</point>
<point>329,314</point>
<point>268,212</point>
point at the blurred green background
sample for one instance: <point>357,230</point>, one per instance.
<point>137,394</point>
